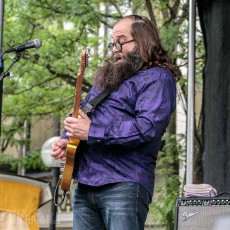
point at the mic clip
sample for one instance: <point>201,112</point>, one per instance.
<point>16,59</point>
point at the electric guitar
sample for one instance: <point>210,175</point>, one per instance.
<point>68,167</point>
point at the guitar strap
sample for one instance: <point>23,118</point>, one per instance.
<point>90,106</point>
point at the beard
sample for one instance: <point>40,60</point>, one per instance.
<point>118,69</point>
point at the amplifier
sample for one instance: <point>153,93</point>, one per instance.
<point>201,213</point>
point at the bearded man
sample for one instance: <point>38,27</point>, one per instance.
<point>122,136</point>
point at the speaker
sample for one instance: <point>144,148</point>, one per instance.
<point>201,213</point>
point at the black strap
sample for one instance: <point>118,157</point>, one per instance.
<point>90,106</point>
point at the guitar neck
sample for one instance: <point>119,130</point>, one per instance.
<point>78,91</point>
<point>78,88</point>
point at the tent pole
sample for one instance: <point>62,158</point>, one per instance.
<point>191,98</point>
<point>1,62</point>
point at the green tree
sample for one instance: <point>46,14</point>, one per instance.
<point>42,82</point>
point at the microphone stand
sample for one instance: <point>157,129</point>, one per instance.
<point>16,59</point>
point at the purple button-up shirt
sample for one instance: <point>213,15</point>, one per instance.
<point>126,130</point>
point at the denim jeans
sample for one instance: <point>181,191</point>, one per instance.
<point>120,206</point>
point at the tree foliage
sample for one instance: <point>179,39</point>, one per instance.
<point>42,82</point>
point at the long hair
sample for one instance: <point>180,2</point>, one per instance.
<point>151,51</point>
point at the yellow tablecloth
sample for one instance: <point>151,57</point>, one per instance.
<point>18,199</point>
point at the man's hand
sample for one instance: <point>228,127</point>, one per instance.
<point>58,149</point>
<point>78,127</point>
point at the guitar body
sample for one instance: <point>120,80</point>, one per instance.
<point>69,164</point>
<point>67,170</point>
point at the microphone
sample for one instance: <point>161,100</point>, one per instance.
<point>36,43</point>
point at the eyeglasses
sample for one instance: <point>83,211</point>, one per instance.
<point>118,45</point>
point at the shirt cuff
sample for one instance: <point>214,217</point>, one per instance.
<point>96,133</point>
<point>64,136</point>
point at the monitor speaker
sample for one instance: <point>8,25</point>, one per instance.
<point>201,213</point>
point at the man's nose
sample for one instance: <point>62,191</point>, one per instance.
<point>115,50</point>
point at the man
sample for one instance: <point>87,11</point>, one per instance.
<point>115,170</point>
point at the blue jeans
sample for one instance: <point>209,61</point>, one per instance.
<point>120,206</point>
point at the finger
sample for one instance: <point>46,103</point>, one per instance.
<point>68,130</point>
<point>82,114</point>
<point>58,147</point>
<point>70,120</point>
<point>60,155</point>
<point>69,134</point>
<point>67,121</point>
<point>62,143</point>
<point>63,158</point>
<point>54,144</point>
<point>54,149</point>
<point>55,153</point>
